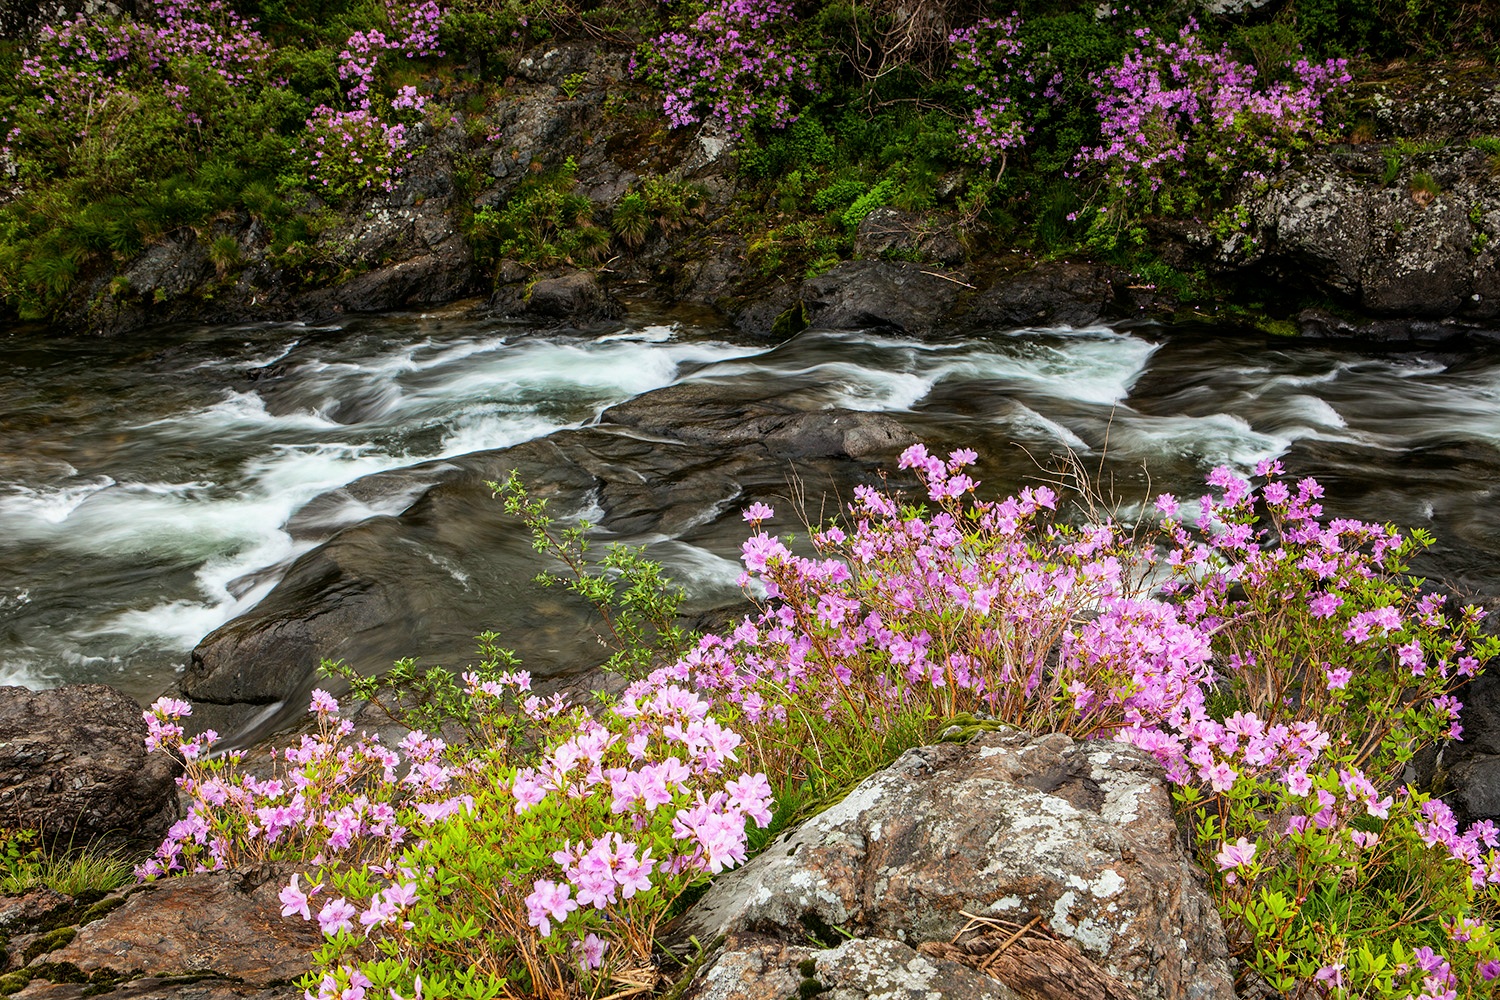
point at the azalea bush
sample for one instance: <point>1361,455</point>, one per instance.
<point>534,860</point>
<point>1177,116</point>
<point>732,64</point>
<point>1282,666</point>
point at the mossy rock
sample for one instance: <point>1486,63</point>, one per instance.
<point>14,982</point>
<point>51,941</point>
<point>101,908</point>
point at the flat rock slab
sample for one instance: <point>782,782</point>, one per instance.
<point>760,968</point>
<point>1013,827</point>
<point>227,924</point>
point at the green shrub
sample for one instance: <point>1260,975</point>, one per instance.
<point>543,223</point>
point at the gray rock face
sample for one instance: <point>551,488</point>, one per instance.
<point>1054,293</point>
<point>22,18</point>
<point>888,232</point>
<point>73,765</point>
<point>1080,835</point>
<point>1397,250</point>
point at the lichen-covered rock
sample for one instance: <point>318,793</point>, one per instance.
<point>891,232</point>
<point>754,967</point>
<point>881,969</point>
<point>73,765</point>
<point>227,924</point>
<point>22,18</point>
<point>1080,834</point>
<point>154,988</point>
<point>1426,245</point>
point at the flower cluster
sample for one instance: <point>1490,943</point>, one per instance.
<point>351,150</point>
<point>413,31</point>
<point>1173,107</point>
<point>1334,665</point>
<point>1001,78</point>
<point>728,66</point>
<point>569,852</point>
<point>356,150</point>
<point>334,796</point>
<point>79,67</point>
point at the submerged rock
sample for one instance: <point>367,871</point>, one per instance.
<point>1078,836</point>
<point>908,298</point>
<point>74,766</point>
<point>454,564</point>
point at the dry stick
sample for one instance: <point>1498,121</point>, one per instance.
<point>945,277</point>
<point>1000,950</point>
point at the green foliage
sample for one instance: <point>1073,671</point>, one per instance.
<point>25,866</point>
<point>1389,28</point>
<point>636,603</point>
<point>429,699</point>
<point>657,203</point>
<point>543,223</point>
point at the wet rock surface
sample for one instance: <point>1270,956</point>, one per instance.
<point>572,297</point>
<point>908,298</point>
<point>226,924</point>
<point>73,765</point>
<point>1010,827</point>
<point>453,563</point>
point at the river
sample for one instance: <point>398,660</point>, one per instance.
<point>155,487</point>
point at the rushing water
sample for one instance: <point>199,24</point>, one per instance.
<point>153,488</point>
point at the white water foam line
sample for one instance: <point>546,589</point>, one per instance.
<point>1090,366</point>
<point>481,395</point>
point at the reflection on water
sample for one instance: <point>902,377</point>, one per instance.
<point>151,490</point>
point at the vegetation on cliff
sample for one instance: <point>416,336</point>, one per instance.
<point>1049,126</point>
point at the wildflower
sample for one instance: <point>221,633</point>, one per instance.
<point>548,901</point>
<point>1235,855</point>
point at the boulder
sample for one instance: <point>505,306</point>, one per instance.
<point>1077,839</point>
<point>1053,293</point>
<point>73,765</point>
<point>576,297</point>
<point>907,298</point>
<point>702,414</point>
<point>1424,246</point>
<point>226,924</point>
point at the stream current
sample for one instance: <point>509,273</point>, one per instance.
<point>153,488</point>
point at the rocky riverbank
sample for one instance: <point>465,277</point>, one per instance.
<point>1056,869</point>
<point>1394,236</point>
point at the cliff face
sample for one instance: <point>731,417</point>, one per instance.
<point>1402,228</point>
